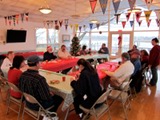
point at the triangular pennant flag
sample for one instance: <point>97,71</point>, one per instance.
<point>123,23</point>
<point>22,17</point>
<point>148,3</point>
<point>84,27</point>
<point>117,17</point>
<point>17,18</point>
<point>158,22</point>
<point>139,22</point>
<point>44,23</point>
<point>60,23</point>
<point>10,19</point>
<point>93,4</point>
<point>149,22</point>
<point>26,14</point>
<point>131,23</point>
<point>147,15</point>
<point>14,20</point>
<point>103,4</point>
<point>48,24</point>
<point>157,14</point>
<point>90,26</point>
<point>97,25</point>
<point>66,26</point>
<point>71,26</point>
<point>76,27</point>
<point>128,16</point>
<point>138,15</point>
<point>66,22</point>
<point>116,5</point>
<point>5,20</point>
<point>131,3</point>
<point>80,28</point>
<point>56,22</point>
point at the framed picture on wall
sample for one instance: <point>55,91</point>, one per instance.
<point>65,38</point>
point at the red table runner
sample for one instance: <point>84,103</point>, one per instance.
<point>59,65</point>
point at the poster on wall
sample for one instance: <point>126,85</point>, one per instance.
<point>2,36</point>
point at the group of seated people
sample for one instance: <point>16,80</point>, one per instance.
<point>86,84</point>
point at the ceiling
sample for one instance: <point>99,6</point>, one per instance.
<point>64,9</point>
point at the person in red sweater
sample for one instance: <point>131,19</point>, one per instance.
<point>154,59</point>
<point>14,74</point>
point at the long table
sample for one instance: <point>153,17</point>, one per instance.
<point>58,65</point>
<point>63,88</point>
<point>62,64</point>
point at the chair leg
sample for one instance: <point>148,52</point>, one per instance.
<point>125,111</point>
<point>8,104</point>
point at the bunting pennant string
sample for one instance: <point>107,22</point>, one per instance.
<point>22,17</point>
<point>128,16</point>
<point>66,22</point>
<point>123,24</point>
<point>93,4</point>
<point>131,3</point>
<point>103,4</point>
<point>60,23</point>
<point>139,22</point>
<point>80,28</point>
<point>66,27</point>
<point>148,3</point>
<point>158,22</point>
<point>149,22</point>
<point>15,18</point>
<point>5,20</point>
<point>117,17</point>
<point>90,26</point>
<point>76,27</point>
<point>147,15</point>
<point>97,25</point>
<point>84,27</point>
<point>71,26</point>
<point>157,14</point>
<point>26,14</point>
<point>131,23</point>
<point>116,4</point>
<point>138,15</point>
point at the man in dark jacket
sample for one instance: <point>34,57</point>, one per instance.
<point>49,55</point>
<point>154,59</point>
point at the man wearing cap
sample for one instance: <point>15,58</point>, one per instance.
<point>33,83</point>
<point>154,61</point>
<point>120,74</point>
<point>49,55</point>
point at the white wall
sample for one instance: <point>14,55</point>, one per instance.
<point>30,43</point>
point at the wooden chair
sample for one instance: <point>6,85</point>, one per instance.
<point>36,114</point>
<point>98,112</point>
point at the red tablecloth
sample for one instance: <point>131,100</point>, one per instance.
<point>110,66</point>
<point>58,65</point>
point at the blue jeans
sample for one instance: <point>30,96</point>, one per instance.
<point>154,76</point>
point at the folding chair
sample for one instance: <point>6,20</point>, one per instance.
<point>98,112</point>
<point>36,114</point>
<point>14,100</point>
<point>122,95</point>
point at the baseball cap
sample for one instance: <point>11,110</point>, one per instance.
<point>33,59</point>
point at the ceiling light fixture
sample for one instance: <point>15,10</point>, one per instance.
<point>45,10</point>
<point>93,21</point>
<point>134,10</point>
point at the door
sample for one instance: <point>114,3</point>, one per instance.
<point>119,42</point>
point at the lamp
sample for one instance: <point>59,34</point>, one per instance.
<point>134,10</point>
<point>45,10</point>
<point>93,21</point>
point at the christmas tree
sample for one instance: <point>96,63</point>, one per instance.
<point>75,46</point>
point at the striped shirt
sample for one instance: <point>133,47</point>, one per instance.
<point>33,83</point>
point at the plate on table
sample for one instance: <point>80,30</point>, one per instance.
<point>54,82</point>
